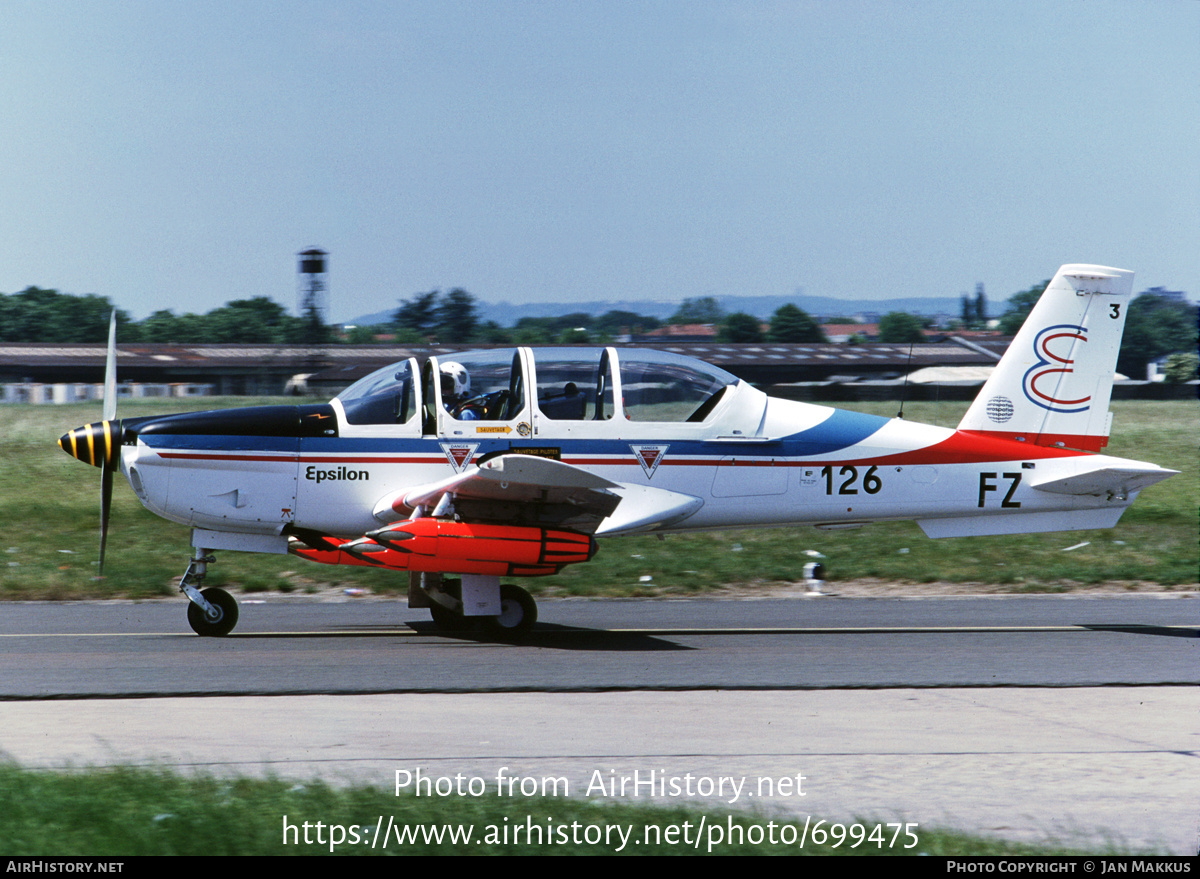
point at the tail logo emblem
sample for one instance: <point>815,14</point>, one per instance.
<point>1044,381</point>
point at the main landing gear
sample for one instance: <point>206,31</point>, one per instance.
<point>444,597</point>
<point>211,612</point>
<point>518,613</point>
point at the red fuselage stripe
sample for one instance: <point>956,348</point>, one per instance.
<point>962,447</point>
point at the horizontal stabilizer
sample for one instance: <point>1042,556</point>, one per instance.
<point>1022,523</point>
<point>1102,481</point>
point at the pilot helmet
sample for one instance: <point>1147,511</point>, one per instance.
<point>456,380</point>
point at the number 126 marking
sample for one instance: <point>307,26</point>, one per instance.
<point>871,483</point>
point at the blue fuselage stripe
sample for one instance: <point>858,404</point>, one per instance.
<point>840,431</point>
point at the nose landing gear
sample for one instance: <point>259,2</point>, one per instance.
<point>212,612</point>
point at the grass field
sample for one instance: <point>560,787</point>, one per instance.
<point>130,812</point>
<point>49,515</point>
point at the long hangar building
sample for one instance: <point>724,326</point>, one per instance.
<point>48,373</point>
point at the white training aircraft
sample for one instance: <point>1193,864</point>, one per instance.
<point>510,463</point>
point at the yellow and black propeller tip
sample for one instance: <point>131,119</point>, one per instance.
<point>98,443</point>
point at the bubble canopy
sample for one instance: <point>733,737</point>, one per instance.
<point>564,384</point>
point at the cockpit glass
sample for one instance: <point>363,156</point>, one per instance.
<point>487,385</point>
<point>573,384</point>
<point>659,386</point>
<point>386,396</point>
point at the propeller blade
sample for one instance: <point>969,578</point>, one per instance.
<point>110,371</point>
<point>106,490</point>
<point>112,451</point>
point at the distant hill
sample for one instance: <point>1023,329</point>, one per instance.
<point>507,313</point>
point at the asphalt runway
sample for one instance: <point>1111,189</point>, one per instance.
<point>1074,718</point>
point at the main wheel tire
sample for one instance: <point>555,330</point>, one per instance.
<point>227,617</point>
<point>518,613</point>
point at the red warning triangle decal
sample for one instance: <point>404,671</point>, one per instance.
<point>649,457</point>
<point>459,454</point>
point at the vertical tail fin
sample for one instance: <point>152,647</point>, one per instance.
<point>1053,385</point>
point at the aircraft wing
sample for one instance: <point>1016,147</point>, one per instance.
<point>533,491</point>
<point>643,508</point>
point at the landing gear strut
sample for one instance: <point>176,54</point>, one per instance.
<point>445,606</point>
<point>212,612</point>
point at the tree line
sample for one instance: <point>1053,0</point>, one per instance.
<point>431,316</point>
<point>40,315</point>
<point>1156,325</point>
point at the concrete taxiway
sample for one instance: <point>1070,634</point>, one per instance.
<point>1092,766</point>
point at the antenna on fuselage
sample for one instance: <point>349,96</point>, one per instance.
<point>904,388</point>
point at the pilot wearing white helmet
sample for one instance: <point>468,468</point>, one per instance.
<point>456,389</point>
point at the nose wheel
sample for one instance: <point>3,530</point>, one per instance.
<point>223,618</point>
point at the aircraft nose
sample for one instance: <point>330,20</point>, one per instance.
<point>95,443</point>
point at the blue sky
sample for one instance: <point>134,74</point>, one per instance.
<point>178,154</point>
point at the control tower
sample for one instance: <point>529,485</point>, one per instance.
<point>311,290</point>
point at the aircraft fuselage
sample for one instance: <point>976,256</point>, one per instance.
<point>844,469</point>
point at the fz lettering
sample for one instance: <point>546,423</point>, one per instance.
<point>987,483</point>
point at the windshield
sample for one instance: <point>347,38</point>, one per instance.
<point>386,396</point>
